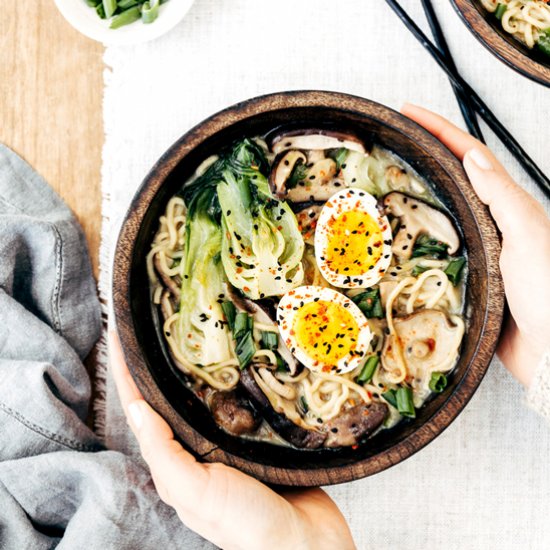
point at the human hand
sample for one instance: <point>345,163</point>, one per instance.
<point>222,504</point>
<point>525,257</point>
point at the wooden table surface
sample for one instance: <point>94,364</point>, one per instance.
<point>51,90</point>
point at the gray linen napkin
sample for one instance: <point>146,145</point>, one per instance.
<point>59,487</point>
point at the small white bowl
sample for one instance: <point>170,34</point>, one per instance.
<point>84,19</point>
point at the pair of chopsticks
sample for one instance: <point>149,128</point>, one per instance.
<point>469,101</point>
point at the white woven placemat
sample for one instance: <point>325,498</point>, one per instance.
<point>483,484</point>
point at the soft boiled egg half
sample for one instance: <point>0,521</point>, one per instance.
<point>323,329</point>
<point>352,240</point>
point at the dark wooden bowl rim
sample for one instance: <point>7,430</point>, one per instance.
<point>504,47</point>
<point>285,474</point>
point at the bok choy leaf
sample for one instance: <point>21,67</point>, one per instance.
<point>204,334</point>
<point>262,246</point>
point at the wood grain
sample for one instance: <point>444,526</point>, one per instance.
<point>161,384</point>
<point>51,89</point>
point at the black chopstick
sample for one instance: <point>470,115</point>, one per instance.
<point>502,133</point>
<point>466,107</point>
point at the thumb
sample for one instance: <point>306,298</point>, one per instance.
<point>514,210</point>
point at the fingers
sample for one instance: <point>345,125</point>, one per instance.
<point>514,210</point>
<point>175,471</point>
<point>171,465</point>
<point>458,141</point>
<point>127,389</point>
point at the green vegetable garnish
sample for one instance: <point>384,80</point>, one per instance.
<point>543,42</point>
<point>230,313</point>
<point>426,246</point>
<point>303,403</point>
<point>281,365</point>
<point>150,11</point>
<point>109,6</point>
<point>418,270</point>
<point>369,303</point>
<point>269,340</point>
<point>125,18</point>
<point>499,12</point>
<point>298,174</point>
<point>367,371</point>
<point>438,382</point>
<point>404,400</point>
<point>243,324</point>
<point>125,4</point>
<point>262,246</point>
<point>339,156</point>
<point>389,396</point>
<point>245,349</point>
<point>454,270</point>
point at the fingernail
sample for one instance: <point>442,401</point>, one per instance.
<point>480,159</point>
<point>134,410</point>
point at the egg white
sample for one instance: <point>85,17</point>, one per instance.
<point>288,308</point>
<point>349,200</point>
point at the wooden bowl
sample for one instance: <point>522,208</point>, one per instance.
<point>137,321</point>
<point>487,29</point>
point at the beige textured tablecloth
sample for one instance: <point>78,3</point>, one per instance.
<point>483,484</point>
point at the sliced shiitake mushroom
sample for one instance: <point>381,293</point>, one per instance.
<point>282,169</point>
<point>233,412</point>
<point>418,218</point>
<point>429,341</point>
<point>288,430</point>
<point>307,140</point>
<point>352,425</point>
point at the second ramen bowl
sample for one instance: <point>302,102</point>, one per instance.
<point>487,29</point>
<point>163,386</point>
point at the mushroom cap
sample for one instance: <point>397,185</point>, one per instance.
<point>429,343</point>
<point>307,140</point>
<point>418,218</point>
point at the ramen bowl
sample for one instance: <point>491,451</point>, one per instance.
<point>487,29</point>
<point>148,359</point>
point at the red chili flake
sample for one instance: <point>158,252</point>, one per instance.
<point>246,289</point>
<point>431,343</point>
<point>354,447</point>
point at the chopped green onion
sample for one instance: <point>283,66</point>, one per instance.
<point>126,17</point>
<point>243,324</point>
<point>269,340</point>
<point>438,382</point>
<point>418,270</point>
<point>245,349</point>
<point>367,371</point>
<point>454,270</point>
<point>125,4</point>
<point>281,365</point>
<point>404,399</point>
<point>298,174</point>
<point>499,12</point>
<point>110,7</point>
<point>230,312</point>
<point>389,396</point>
<point>369,303</point>
<point>303,403</point>
<point>93,3</point>
<point>100,11</point>
<point>426,246</point>
<point>150,11</point>
<point>339,157</point>
<point>543,42</point>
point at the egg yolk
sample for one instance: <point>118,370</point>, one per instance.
<point>325,331</point>
<point>354,243</point>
